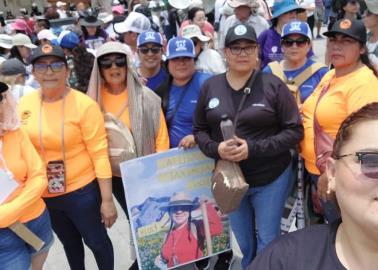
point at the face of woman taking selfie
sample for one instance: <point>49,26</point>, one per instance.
<point>354,175</point>
<point>242,56</point>
<point>344,51</point>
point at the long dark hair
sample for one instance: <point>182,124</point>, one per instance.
<point>365,59</point>
<point>192,12</point>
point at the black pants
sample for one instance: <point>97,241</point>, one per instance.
<point>119,193</point>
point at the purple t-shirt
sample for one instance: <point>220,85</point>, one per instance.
<point>93,42</point>
<point>270,43</point>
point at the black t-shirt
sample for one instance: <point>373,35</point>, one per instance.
<point>312,248</point>
<point>269,121</point>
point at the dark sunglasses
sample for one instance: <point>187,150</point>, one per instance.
<point>54,66</point>
<point>106,63</point>
<point>289,42</point>
<point>368,162</point>
<point>178,208</point>
<point>154,50</point>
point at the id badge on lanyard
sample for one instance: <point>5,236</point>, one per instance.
<point>55,169</point>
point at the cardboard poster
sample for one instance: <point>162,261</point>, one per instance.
<point>174,218</point>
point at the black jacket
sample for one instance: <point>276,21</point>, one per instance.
<point>269,121</point>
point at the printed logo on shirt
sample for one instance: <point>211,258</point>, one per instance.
<point>274,49</point>
<point>180,45</point>
<point>258,105</point>
<point>25,115</point>
<point>193,101</point>
<point>240,30</point>
<point>213,103</point>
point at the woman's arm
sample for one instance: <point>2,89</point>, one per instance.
<point>94,137</point>
<point>33,187</point>
<point>201,129</point>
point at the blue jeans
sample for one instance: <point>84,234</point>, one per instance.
<point>15,253</point>
<point>331,211</point>
<point>75,216</point>
<point>257,221</point>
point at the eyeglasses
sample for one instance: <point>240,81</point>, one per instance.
<point>289,42</point>
<point>107,63</point>
<point>41,68</point>
<point>368,163</point>
<point>237,50</point>
<point>153,50</point>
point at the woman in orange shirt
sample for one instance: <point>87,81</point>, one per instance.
<point>346,88</point>
<point>20,161</point>
<point>115,85</point>
<point>67,129</point>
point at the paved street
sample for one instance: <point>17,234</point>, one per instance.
<point>119,232</point>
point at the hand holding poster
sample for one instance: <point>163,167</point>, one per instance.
<point>174,218</point>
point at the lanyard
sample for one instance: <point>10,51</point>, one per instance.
<point>61,129</point>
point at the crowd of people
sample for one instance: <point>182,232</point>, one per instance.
<point>166,75</point>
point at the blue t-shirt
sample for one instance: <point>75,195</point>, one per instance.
<point>270,43</point>
<point>181,124</point>
<point>310,84</point>
<point>155,81</point>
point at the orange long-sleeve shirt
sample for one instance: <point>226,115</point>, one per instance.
<point>86,146</point>
<point>27,168</point>
<point>345,95</point>
<point>114,104</point>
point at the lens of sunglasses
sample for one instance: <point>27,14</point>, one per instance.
<point>107,63</point>
<point>42,67</point>
<point>145,50</point>
<point>237,50</point>
<point>369,164</point>
<point>183,208</point>
<point>288,42</point>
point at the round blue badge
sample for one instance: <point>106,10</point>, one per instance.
<point>213,103</point>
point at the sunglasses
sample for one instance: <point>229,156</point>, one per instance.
<point>237,50</point>
<point>180,208</point>
<point>289,42</point>
<point>41,68</point>
<point>368,163</point>
<point>107,63</point>
<point>153,50</point>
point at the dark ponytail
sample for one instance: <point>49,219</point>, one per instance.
<point>365,60</point>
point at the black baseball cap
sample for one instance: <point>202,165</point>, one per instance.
<point>238,32</point>
<point>351,28</point>
<point>48,50</point>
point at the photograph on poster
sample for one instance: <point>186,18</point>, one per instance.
<point>174,218</point>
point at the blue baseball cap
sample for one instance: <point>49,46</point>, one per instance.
<point>149,37</point>
<point>282,6</point>
<point>296,27</point>
<point>180,47</point>
<point>70,40</point>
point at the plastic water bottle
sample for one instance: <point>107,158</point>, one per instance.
<point>227,127</point>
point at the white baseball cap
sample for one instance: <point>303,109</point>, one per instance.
<point>60,4</point>
<point>135,22</point>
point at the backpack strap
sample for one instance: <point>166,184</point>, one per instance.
<point>306,74</point>
<point>277,70</point>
